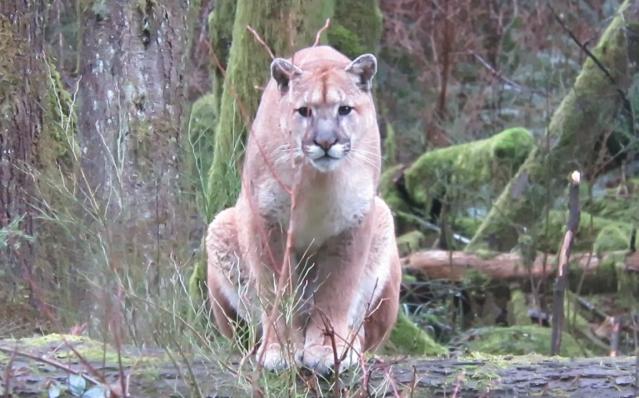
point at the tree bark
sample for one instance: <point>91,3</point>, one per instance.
<point>576,133</point>
<point>131,105</point>
<point>25,102</point>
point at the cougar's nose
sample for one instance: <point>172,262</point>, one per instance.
<point>325,141</point>
<point>325,135</point>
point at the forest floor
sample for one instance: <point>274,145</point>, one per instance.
<point>33,367</point>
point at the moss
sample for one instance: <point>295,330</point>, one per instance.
<point>390,147</point>
<point>601,233</point>
<point>394,198</point>
<point>220,23</point>
<point>57,143</point>
<point>201,130</point>
<point>197,290</point>
<point>91,350</point>
<point>615,206</point>
<point>517,309</point>
<point>462,169</point>
<point>611,238</point>
<point>410,242</point>
<point>356,27</point>
<point>517,340</point>
<point>466,226</point>
<point>408,339</point>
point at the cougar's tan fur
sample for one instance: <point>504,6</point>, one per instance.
<point>346,270</point>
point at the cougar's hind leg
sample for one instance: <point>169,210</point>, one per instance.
<point>226,277</point>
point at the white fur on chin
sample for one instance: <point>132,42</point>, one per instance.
<point>321,161</point>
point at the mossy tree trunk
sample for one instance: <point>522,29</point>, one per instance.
<point>576,133</point>
<point>221,21</point>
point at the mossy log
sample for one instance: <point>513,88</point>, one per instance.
<point>467,166</point>
<point>152,373</point>
<point>603,274</point>
<point>456,174</point>
<point>575,134</point>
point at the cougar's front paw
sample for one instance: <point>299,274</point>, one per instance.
<point>321,358</point>
<point>272,357</point>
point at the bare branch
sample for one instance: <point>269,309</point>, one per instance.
<point>319,32</point>
<point>260,40</point>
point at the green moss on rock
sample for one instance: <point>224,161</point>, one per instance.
<point>408,339</point>
<point>388,191</point>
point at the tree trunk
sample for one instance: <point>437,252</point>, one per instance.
<point>577,132</point>
<point>25,103</point>
<point>131,104</point>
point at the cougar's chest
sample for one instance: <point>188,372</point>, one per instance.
<point>327,208</point>
<point>326,205</point>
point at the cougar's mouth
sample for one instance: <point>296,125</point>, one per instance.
<point>323,160</point>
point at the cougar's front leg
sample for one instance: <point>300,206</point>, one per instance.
<point>339,266</point>
<point>279,333</point>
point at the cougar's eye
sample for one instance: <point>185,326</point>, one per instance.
<point>304,111</point>
<point>344,110</point>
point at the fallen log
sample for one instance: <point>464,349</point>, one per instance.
<point>156,373</point>
<point>454,265</point>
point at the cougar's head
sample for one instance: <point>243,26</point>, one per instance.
<point>327,107</point>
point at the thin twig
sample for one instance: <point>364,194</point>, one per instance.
<point>319,32</point>
<point>85,363</point>
<point>260,40</point>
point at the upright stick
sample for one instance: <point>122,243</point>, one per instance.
<point>564,256</point>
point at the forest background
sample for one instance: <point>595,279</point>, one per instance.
<point>122,126</point>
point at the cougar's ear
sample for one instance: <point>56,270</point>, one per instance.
<point>363,68</point>
<point>283,72</point>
